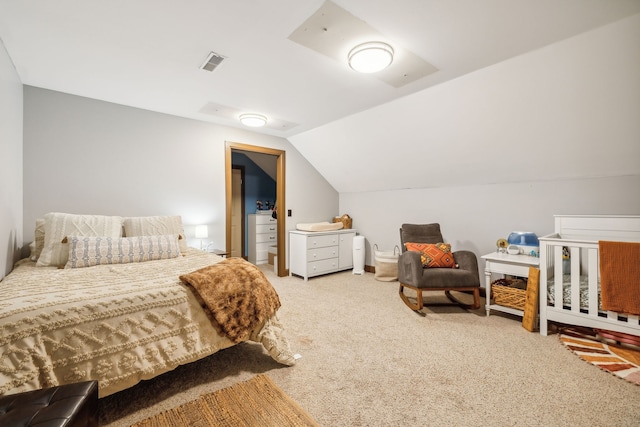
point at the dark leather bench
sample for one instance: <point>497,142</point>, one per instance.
<point>70,405</point>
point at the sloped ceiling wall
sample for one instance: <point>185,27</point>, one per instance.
<point>568,110</point>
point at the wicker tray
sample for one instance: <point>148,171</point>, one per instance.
<point>507,292</point>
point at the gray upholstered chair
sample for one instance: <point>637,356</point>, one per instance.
<point>412,275</point>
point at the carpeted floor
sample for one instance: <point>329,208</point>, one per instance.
<point>367,360</point>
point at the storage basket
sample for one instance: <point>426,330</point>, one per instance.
<point>386,264</point>
<point>345,219</point>
<point>509,292</point>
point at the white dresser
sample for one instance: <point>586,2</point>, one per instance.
<point>315,253</point>
<point>263,232</point>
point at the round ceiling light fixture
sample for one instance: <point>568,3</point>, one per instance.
<point>370,57</point>
<point>253,120</point>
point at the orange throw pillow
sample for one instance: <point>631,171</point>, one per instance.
<point>436,255</point>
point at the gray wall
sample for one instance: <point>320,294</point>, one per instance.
<point>11,166</point>
<point>88,156</point>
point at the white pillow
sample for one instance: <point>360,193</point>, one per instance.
<point>154,226</point>
<point>58,225</point>
<point>87,251</point>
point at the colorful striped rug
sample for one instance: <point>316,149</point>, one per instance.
<point>621,361</point>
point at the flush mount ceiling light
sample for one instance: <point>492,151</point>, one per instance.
<point>371,57</point>
<point>253,120</point>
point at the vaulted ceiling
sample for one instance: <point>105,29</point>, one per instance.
<point>287,60</point>
<point>148,54</point>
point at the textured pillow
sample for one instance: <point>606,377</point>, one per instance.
<point>154,226</point>
<point>38,240</point>
<point>87,251</point>
<point>436,255</point>
<point>57,226</point>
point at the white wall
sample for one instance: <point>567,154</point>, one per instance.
<point>474,217</point>
<point>555,131</point>
<point>11,163</point>
<point>88,156</point>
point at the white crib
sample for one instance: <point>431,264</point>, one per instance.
<point>570,291</point>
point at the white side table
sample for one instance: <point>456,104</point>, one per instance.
<point>515,265</point>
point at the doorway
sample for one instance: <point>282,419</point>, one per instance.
<point>230,148</point>
<point>237,212</point>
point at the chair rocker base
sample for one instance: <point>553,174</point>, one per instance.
<point>447,291</point>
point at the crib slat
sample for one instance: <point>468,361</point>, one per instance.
<point>574,256</point>
<point>592,259</point>
<point>558,297</point>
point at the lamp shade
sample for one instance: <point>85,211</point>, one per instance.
<point>202,232</point>
<point>370,57</point>
<point>253,120</point>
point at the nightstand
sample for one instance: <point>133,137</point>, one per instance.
<point>219,252</point>
<point>514,265</point>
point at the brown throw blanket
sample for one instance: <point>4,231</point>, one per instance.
<point>620,276</point>
<point>237,293</point>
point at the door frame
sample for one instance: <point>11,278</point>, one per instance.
<point>280,195</point>
<point>242,211</point>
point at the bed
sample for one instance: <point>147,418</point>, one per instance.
<point>570,290</point>
<point>115,319</point>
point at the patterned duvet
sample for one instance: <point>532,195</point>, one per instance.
<point>118,324</point>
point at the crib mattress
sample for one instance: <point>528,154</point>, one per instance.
<point>566,291</point>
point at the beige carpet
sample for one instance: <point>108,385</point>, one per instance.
<point>367,360</point>
<point>257,402</point>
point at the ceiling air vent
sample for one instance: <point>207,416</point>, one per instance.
<point>212,61</point>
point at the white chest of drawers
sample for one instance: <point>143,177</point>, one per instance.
<point>263,232</point>
<point>315,253</point>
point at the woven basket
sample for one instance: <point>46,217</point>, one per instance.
<point>506,294</point>
<point>345,219</point>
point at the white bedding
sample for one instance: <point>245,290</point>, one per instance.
<point>117,324</point>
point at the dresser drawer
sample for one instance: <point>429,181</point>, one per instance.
<point>317,254</point>
<point>265,219</point>
<point>266,228</point>
<point>324,266</point>
<point>322,241</point>
<point>262,238</point>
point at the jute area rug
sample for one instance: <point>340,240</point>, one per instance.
<point>621,361</point>
<point>256,402</point>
